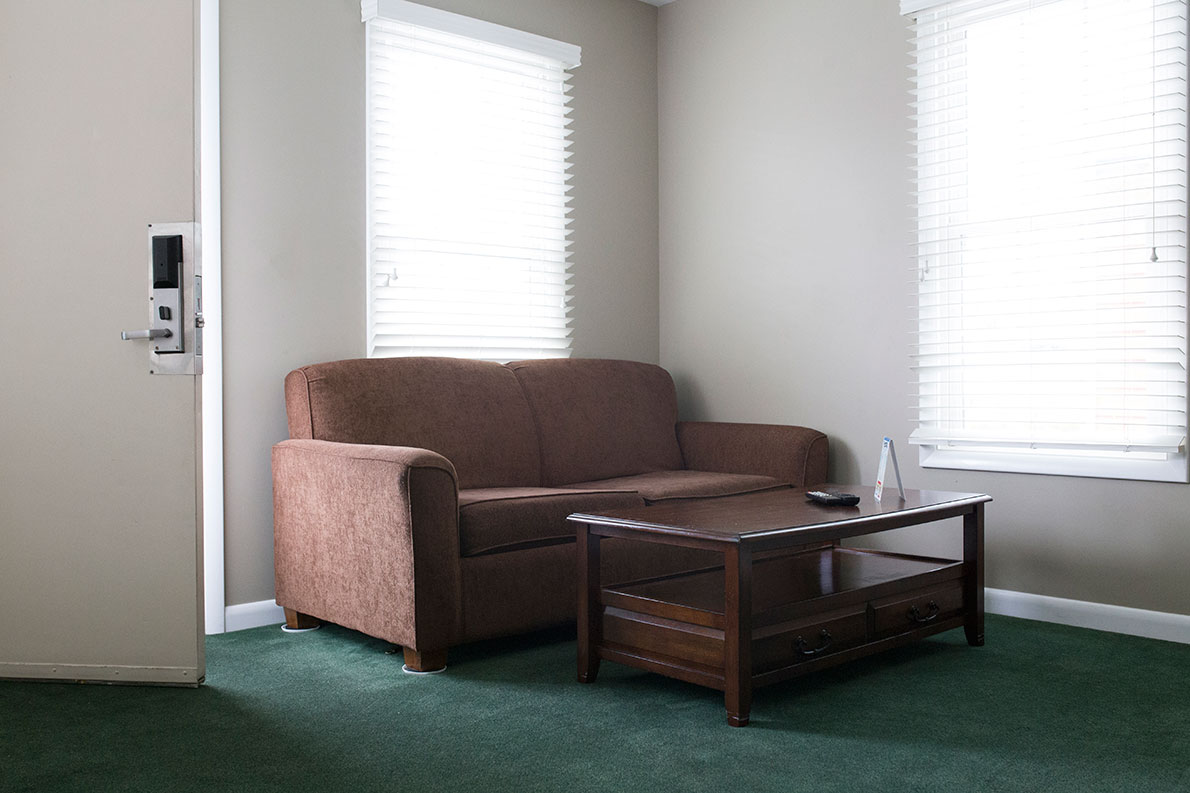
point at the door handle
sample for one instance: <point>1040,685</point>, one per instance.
<point>151,333</point>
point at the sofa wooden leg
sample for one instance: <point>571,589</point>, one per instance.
<point>296,620</point>
<point>426,661</point>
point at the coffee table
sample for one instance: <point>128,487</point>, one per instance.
<point>788,598</point>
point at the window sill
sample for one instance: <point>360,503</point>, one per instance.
<point>1169,469</point>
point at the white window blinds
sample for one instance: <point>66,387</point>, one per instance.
<point>1050,260</point>
<point>468,138</point>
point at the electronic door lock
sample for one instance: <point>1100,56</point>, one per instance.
<point>175,300</point>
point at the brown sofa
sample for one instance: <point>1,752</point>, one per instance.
<point>424,500</point>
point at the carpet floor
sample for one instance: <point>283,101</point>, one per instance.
<point>1039,708</point>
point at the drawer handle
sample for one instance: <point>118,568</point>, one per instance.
<point>931,613</point>
<point>824,641</point>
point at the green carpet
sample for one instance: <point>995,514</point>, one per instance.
<point>1040,708</point>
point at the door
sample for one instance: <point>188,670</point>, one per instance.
<point>100,571</point>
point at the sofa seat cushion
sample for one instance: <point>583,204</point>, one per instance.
<point>498,519</point>
<point>665,485</point>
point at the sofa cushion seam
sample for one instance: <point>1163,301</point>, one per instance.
<point>536,424</point>
<point>769,488</point>
<point>571,494</point>
<point>521,545</point>
<point>806,459</point>
<point>309,401</point>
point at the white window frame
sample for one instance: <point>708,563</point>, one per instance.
<point>1156,461</point>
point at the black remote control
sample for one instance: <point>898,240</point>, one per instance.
<point>833,499</point>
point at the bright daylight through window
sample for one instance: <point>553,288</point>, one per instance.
<point>1050,262</point>
<point>468,137</point>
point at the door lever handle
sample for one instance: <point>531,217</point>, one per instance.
<point>151,333</point>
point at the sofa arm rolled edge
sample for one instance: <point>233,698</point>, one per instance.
<point>406,456</point>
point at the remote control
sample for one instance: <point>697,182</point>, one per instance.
<point>833,499</point>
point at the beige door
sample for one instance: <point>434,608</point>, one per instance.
<point>99,541</point>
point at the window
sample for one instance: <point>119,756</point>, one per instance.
<point>467,128</point>
<point>1050,262</point>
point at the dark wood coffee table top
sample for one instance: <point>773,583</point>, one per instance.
<point>780,514</point>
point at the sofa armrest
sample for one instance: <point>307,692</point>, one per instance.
<point>792,454</point>
<point>367,537</point>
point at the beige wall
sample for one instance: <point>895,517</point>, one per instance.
<point>785,286</point>
<point>293,211</point>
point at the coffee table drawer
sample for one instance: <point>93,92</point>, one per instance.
<point>794,643</point>
<point>913,610</point>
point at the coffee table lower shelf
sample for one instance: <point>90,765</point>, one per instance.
<point>810,610</point>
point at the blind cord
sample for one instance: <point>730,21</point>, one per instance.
<point>1153,132</point>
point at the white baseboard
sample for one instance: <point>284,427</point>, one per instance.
<point>1083,614</point>
<point>252,615</point>
<point>160,675</point>
<point>1079,613</point>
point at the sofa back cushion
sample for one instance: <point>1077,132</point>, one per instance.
<point>598,418</point>
<point>471,412</point>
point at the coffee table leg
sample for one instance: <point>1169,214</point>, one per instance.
<point>589,616</point>
<point>737,644</point>
<point>973,575</point>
